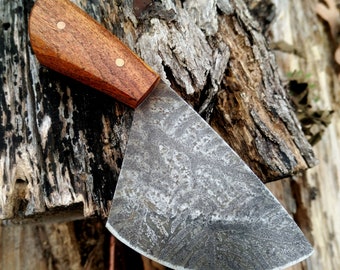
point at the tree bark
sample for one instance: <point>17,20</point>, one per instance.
<point>62,143</point>
<point>312,196</point>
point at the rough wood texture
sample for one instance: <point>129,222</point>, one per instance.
<point>62,143</point>
<point>54,141</point>
<point>313,198</point>
<point>71,245</point>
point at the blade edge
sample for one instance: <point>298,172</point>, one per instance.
<point>263,190</point>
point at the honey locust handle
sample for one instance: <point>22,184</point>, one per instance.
<point>67,40</point>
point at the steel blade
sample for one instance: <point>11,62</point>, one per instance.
<point>186,200</point>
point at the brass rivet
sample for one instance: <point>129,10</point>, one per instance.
<point>61,25</point>
<point>120,62</point>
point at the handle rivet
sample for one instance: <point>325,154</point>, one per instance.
<point>61,25</point>
<point>120,62</point>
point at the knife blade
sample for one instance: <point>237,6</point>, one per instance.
<point>184,198</point>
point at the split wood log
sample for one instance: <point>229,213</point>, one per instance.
<point>62,143</point>
<point>70,245</point>
<point>312,197</point>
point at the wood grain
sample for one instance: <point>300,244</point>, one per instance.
<point>315,193</point>
<point>61,144</point>
<point>66,39</point>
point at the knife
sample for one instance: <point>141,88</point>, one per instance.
<point>184,198</point>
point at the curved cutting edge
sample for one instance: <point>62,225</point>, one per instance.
<point>186,200</point>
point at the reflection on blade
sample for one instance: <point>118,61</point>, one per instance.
<point>186,200</point>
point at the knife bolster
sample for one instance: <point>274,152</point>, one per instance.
<point>67,40</point>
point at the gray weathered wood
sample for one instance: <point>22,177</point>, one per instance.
<point>314,196</point>
<point>62,143</point>
<point>69,245</point>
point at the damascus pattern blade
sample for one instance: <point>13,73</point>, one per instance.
<point>186,200</point>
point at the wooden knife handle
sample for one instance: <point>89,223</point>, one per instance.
<point>66,39</point>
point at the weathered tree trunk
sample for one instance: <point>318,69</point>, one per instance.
<point>62,143</point>
<point>314,196</point>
